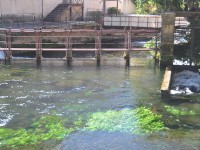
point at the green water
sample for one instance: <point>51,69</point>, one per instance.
<point>68,96</point>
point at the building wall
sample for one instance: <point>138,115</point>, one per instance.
<point>29,7</point>
<point>34,7</point>
<point>125,6</point>
<point>65,16</point>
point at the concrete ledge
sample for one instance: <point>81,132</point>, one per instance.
<point>165,87</point>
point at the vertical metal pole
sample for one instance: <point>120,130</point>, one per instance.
<point>1,8</point>
<point>83,9</point>
<point>117,7</point>
<point>42,13</point>
<point>192,45</point>
<point>104,7</point>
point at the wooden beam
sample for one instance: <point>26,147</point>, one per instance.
<point>165,87</point>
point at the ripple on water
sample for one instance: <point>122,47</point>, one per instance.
<point>5,118</point>
<point>119,141</point>
<point>21,104</point>
<point>4,97</point>
<point>2,84</point>
<point>22,97</point>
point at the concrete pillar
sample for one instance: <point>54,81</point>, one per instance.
<point>167,39</point>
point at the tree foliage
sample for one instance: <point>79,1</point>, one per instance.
<point>192,48</point>
<point>157,6</point>
<point>112,10</point>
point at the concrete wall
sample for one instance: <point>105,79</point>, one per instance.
<point>167,39</point>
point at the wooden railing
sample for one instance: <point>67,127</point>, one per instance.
<point>72,40</point>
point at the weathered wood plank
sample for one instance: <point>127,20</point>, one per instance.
<point>165,87</point>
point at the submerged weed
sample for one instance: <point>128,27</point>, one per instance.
<point>137,121</point>
<point>8,73</point>
<point>46,128</point>
<point>53,128</point>
<point>179,112</point>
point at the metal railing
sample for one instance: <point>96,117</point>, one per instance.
<point>140,21</point>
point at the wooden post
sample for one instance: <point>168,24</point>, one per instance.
<point>165,87</point>
<point>167,39</point>
<point>8,53</point>
<point>69,48</point>
<point>38,45</point>
<point>98,47</point>
<point>192,43</point>
<point>156,57</point>
<point>128,47</point>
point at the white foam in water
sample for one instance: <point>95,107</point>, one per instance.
<point>181,62</point>
<point>5,120</point>
<point>185,82</point>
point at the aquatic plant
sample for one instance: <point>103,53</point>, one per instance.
<point>46,128</point>
<point>88,93</point>
<point>135,121</point>
<point>179,112</point>
<point>8,73</point>
<point>78,123</point>
<point>150,44</point>
<point>4,76</point>
<point>52,127</point>
<point>20,72</point>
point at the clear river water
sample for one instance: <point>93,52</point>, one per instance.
<point>28,92</point>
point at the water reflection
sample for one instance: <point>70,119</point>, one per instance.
<point>1,55</point>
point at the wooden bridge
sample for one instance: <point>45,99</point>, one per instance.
<point>70,40</point>
<point>40,40</point>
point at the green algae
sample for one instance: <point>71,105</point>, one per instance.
<point>46,128</point>
<point>179,112</point>
<point>54,128</point>
<point>136,121</point>
<point>7,73</point>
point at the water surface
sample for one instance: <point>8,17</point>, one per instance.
<point>28,91</point>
